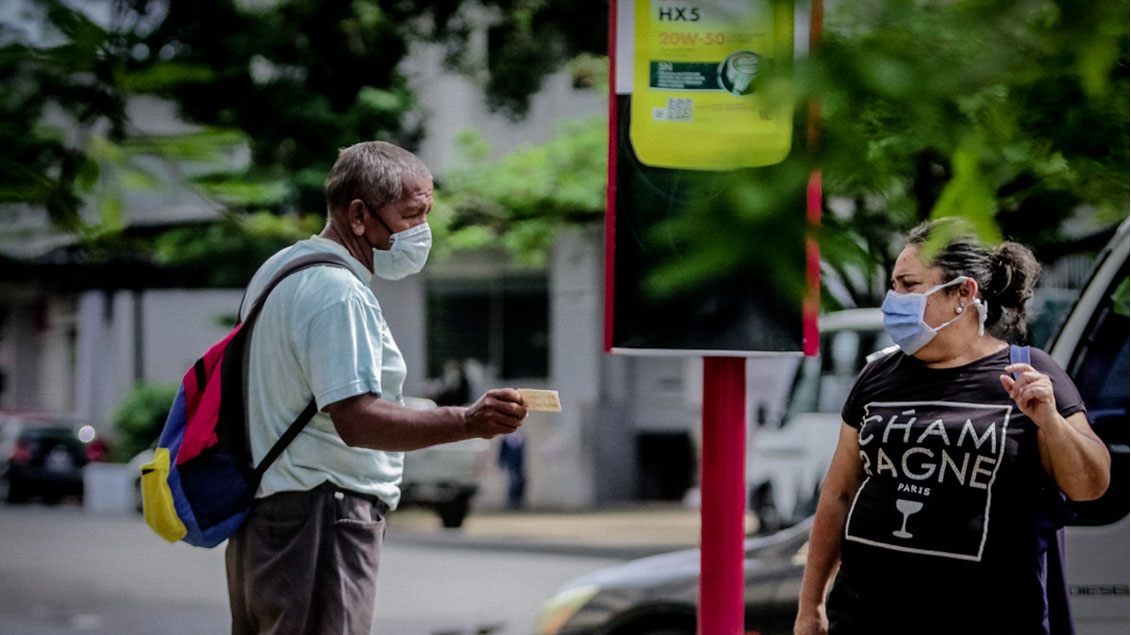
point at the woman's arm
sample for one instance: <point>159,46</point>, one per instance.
<point>1071,453</point>
<point>843,479</point>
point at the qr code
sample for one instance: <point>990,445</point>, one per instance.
<point>679,109</point>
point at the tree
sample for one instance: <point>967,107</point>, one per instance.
<point>1011,114</point>
<point>292,79</point>
<point>303,78</point>
<point>522,199</point>
<point>64,79</point>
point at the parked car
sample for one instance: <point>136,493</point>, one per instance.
<point>442,477</point>
<point>659,595</point>
<point>787,459</point>
<point>42,455</point>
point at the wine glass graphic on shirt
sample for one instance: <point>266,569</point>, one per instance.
<point>907,508</point>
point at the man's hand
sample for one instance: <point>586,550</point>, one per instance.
<point>498,411</point>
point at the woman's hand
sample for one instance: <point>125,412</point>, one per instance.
<point>1071,453</point>
<point>811,622</point>
<point>1032,391</point>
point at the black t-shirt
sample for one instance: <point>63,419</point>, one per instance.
<point>944,534</point>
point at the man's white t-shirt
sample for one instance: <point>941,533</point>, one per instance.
<point>321,333</point>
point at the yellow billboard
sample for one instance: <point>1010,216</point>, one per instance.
<point>699,99</point>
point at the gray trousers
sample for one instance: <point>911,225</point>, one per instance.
<point>305,563</point>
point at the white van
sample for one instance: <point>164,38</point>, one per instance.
<point>787,459</point>
<point>1092,345</point>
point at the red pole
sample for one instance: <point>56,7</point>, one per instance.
<point>812,303</point>
<point>723,491</point>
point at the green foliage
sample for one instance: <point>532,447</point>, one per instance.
<point>746,223</point>
<point>71,74</point>
<point>138,419</point>
<point>524,197</point>
<point>529,40</point>
<point>301,78</point>
<point>1012,115</point>
<point>1121,299</point>
<point>231,250</point>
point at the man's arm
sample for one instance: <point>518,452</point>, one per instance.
<point>367,421</point>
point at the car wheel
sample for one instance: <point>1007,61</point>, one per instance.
<point>454,512</point>
<point>769,518</point>
<point>664,630</point>
<point>666,624</point>
<point>138,504</point>
<point>17,492</point>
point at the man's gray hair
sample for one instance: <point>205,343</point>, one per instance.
<point>373,171</point>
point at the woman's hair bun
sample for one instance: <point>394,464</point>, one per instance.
<point>1014,273</point>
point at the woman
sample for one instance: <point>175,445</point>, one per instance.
<point>950,465</point>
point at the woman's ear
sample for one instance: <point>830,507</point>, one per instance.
<point>969,289</point>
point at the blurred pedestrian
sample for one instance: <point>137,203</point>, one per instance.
<point>454,388</point>
<point>306,559</point>
<point>512,460</point>
<point>946,489</point>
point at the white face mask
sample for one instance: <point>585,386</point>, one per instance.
<point>407,254</point>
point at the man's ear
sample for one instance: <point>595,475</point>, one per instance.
<point>355,217</point>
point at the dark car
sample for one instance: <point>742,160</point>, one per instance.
<point>658,595</point>
<point>42,455</point>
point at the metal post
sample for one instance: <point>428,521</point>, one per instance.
<point>723,491</point>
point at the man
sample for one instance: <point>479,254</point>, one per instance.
<point>306,559</point>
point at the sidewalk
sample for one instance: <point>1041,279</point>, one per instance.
<point>629,531</point>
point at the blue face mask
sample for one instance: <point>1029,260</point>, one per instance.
<point>903,317</point>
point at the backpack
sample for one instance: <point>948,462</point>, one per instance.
<point>201,482</point>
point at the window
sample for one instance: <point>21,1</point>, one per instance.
<point>501,322</point>
<point>1100,370</point>
<point>822,384</point>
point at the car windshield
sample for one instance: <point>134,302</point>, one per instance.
<point>50,434</point>
<point>822,384</point>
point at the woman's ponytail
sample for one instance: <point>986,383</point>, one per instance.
<point>1013,276</point>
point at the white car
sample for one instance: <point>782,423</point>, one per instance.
<point>787,459</point>
<point>442,477</point>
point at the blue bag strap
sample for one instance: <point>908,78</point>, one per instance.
<point>1056,583</point>
<point>1018,355</point>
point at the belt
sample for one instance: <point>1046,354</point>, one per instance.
<point>340,493</point>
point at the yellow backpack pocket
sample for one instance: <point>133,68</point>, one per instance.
<point>157,498</point>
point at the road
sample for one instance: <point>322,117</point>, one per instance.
<point>65,571</point>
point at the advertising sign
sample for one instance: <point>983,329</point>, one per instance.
<point>691,124</point>
<point>696,99</point>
